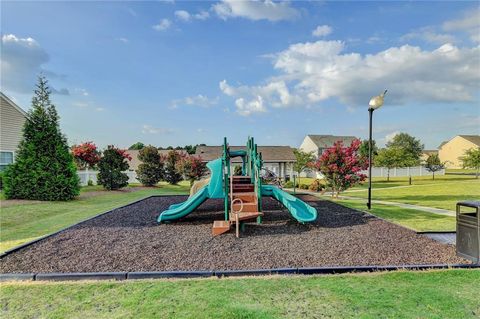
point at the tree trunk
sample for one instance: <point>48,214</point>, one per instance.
<point>433,175</point>
<point>388,174</point>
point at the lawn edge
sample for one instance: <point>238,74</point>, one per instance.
<point>121,276</point>
<point>24,245</point>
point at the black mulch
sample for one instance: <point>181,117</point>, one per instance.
<point>129,239</point>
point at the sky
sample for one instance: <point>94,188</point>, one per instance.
<point>176,72</point>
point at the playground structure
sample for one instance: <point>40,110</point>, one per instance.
<point>242,194</point>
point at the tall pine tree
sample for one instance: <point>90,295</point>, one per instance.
<point>44,168</point>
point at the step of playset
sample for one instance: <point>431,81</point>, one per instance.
<point>242,188</point>
<point>242,180</point>
<point>220,227</point>
<point>247,197</point>
<point>246,207</point>
<point>242,216</point>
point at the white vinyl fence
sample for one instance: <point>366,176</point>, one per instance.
<point>86,175</point>
<point>383,171</point>
<point>403,172</point>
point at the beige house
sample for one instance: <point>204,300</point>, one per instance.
<point>427,153</point>
<point>278,159</point>
<point>451,151</point>
<point>12,119</point>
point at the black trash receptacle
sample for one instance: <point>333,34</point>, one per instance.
<point>468,230</point>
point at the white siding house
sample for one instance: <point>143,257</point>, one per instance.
<point>317,144</point>
<point>12,119</point>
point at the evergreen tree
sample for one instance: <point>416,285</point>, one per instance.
<point>150,172</point>
<point>43,169</point>
<point>172,175</point>
<point>111,167</point>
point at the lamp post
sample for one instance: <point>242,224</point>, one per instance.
<point>375,103</point>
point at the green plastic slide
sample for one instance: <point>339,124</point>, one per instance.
<point>300,210</point>
<point>212,190</point>
<point>185,208</point>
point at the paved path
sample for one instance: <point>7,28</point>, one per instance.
<point>409,206</point>
<point>445,238</point>
<point>432,210</point>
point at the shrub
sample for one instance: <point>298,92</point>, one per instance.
<point>90,182</point>
<point>85,155</point>
<point>342,166</point>
<point>1,180</point>
<point>44,168</point>
<point>150,172</point>
<point>237,170</point>
<point>172,176</point>
<point>192,167</point>
<point>289,184</point>
<point>111,167</point>
<point>316,186</point>
<point>303,186</point>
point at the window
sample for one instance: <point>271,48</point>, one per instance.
<point>6,158</point>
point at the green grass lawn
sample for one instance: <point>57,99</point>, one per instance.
<point>410,218</point>
<point>25,222</point>
<point>428,294</point>
<point>443,193</point>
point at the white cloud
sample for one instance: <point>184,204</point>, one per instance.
<point>99,109</point>
<point>163,25</point>
<point>253,99</point>
<point>322,31</point>
<point>314,72</point>
<point>124,40</point>
<point>469,23</point>
<point>183,15</point>
<point>148,129</point>
<point>389,137</point>
<point>81,91</point>
<point>429,35</point>
<point>186,16</point>
<point>198,100</point>
<point>255,10</point>
<point>22,59</point>
<point>202,15</point>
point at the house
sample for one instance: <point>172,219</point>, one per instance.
<point>451,151</point>
<point>136,161</point>
<point>12,119</point>
<point>426,153</point>
<point>319,143</point>
<point>278,159</point>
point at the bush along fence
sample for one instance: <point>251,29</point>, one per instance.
<point>91,175</point>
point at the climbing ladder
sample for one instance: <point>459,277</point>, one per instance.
<point>242,193</point>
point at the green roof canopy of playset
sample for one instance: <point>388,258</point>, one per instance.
<point>242,194</point>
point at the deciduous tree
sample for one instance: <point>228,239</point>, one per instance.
<point>433,164</point>
<point>471,159</point>
<point>342,166</point>
<point>192,167</point>
<point>303,161</point>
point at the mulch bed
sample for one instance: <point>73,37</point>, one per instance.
<point>129,239</point>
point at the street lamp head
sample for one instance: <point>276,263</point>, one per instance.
<point>377,101</point>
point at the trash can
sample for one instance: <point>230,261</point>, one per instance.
<point>468,230</point>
